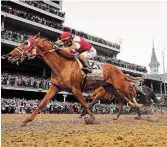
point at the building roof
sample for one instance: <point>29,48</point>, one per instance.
<point>154,58</point>
<point>157,77</point>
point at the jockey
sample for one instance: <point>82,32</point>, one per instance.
<point>79,46</point>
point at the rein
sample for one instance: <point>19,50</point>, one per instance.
<point>56,48</point>
<point>45,52</point>
<point>28,55</point>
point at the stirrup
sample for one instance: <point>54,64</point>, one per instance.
<point>87,70</point>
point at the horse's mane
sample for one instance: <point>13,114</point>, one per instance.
<point>45,44</point>
<point>49,46</point>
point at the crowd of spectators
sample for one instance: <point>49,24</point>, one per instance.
<point>120,63</point>
<point>45,7</point>
<point>18,37</point>
<point>14,36</point>
<point>93,38</point>
<point>20,80</point>
<point>59,26</point>
<point>32,17</point>
<point>23,106</point>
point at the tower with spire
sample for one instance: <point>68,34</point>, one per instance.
<point>154,64</point>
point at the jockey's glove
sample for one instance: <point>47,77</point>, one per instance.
<point>59,42</point>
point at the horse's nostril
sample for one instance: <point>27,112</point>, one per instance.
<point>9,55</point>
<point>19,60</point>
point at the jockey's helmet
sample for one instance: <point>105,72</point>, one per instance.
<point>66,36</point>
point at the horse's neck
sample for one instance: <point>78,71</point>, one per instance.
<point>55,62</point>
<point>61,67</point>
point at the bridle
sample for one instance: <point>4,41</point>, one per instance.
<point>20,50</point>
<point>27,55</point>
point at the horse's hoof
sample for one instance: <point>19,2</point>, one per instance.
<point>93,117</point>
<point>22,124</point>
<point>89,121</point>
<point>90,95</point>
<point>138,118</point>
<point>115,118</point>
<point>80,116</point>
<point>139,105</point>
<point>132,104</point>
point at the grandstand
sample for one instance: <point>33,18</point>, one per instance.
<point>23,87</point>
<point>22,19</point>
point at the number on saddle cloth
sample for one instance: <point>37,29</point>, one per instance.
<point>97,72</point>
<point>95,65</point>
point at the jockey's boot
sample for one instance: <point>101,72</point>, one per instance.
<point>85,62</point>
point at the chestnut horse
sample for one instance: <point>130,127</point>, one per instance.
<point>145,100</point>
<point>103,93</point>
<point>66,73</point>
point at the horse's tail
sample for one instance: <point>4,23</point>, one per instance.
<point>128,78</point>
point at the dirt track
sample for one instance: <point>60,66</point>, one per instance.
<point>70,131</point>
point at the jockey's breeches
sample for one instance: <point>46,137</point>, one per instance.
<point>90,54</point>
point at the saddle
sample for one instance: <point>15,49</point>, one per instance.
<point>97,71</point>
<point>96,75</point>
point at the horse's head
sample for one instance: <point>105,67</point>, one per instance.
<point>26,50</point>
<point>32,47</point>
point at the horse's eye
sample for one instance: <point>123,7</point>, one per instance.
<point>26,43</point>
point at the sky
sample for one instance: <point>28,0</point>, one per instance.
<point>138,23</point>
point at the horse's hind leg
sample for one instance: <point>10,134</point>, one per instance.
<point>135,102</point>
<point>114,91</point>
<point>120,104</point>
<point>50,94</point>
<point>138,113</point>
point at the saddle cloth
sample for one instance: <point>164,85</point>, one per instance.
<point>97,72</point>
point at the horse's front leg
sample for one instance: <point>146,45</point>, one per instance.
<point>98,94</point>
<point>95,100</point>
<point>78,94</point>
<point>53,90</point>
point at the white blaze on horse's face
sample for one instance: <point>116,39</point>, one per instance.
<point>24,51</point>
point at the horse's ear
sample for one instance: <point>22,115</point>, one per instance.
<point>38,35</point>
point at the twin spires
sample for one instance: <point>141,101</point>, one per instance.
<point>154,64</point>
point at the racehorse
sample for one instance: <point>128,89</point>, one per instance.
<point>66,73</point>
<point>145,97</point>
